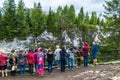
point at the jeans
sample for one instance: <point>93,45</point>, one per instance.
<point>50,63</point>
<point>62,65</point>
<point>31,68</point>
<point>36,67</point>
<point>70,63</point>
<point>85,60</point>
<point>57,62</point>
<point>22,69</point>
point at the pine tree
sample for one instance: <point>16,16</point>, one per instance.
<point>36,19</point>
<point>81,16</point>
<point>21,23</point>
<point>93,19</point>
<point>51,19</point>
<point>9,18</point>
<point>87,21</point>
<point>71,15</point>
<point>112,13</point>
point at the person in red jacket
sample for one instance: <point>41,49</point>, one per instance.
<point>31,61</point>
<point>3,64</point>
<point>85,52</point>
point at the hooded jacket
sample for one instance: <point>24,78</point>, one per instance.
<point>85,48</point>
<point>30,58</point>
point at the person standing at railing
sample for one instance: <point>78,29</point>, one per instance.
<point>63,54</point>
<point>40,62</point>
<point>70,58</point>
<point>57,56</point>
<point>3,64</point>
<point>22,61</point>
<point>31,61</point>
<point>94,52</point>
<point>13,62</point>
<point>79,54</point>
<point>35,58</point>
<point>86,53</point>
<point>50,58</point>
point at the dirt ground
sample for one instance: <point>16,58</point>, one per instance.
<point>98,72</point>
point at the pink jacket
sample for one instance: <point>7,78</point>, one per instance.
<point>3,59</point>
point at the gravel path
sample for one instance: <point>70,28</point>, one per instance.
<point>98,72</point>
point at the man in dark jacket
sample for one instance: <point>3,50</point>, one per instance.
<point>63,59</point>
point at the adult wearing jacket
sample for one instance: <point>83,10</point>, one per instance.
<point>3,64</point>
<point>57,56</point>
<point>94,52</point>
<point>13,62</point>
<point>31,61</point>
<point>40,62</point>
<point>35,58</point>
<point>50,58</point>
<point>22,61</point>
<point>63,54</point>
<point>85,52</point>
<point>71,58</point>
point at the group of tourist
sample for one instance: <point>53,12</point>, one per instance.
<point>37,59</point>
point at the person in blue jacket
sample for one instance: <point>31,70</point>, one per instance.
<point>94,52</point>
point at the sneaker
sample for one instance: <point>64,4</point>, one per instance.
<point>58,68</point>
<point>51,73</point>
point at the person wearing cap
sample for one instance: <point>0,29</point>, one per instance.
<point>94,52</point>
<point>3,64</point>
<point>57,56</point>
<point>22,61</point>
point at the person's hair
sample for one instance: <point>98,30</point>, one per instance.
<point>80,47</point>
<point>49,50</point>
<point>62,47</point>
<point>36,50</point>
<point>95,42</point>
<point>12,50</point>
<point>71,48</point>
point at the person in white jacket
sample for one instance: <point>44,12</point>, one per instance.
<point>57,56</point>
